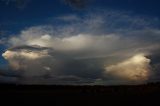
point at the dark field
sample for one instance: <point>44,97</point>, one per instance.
<point>148,94</point>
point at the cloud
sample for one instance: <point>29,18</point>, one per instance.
<point>29,59</point>
<point>8,76</point>
<point>90,49</point>
<point>23,54</point>
<point>102,22</point>
<point>6,79</point>
<point>69,18</point>
<point>136,68</point>
<point>66,43</point>
<point>48,64</point>
<point>81,45</point>
<point>47,57</point>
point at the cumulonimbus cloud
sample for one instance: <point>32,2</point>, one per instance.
<point>28,58</point>
<point>136,68</point>
<point>43,53</point>
<point>81,50</point>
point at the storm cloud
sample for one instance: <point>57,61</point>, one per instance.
<point>135,68</point>
<point>72,54</point>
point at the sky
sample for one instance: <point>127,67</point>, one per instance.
<point>79,42</point>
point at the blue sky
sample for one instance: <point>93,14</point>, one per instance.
<point>56,19</point>
<point>37,12</point>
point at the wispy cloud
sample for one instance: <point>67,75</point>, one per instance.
<point>69,18</point>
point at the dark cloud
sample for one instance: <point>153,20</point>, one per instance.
<point>9,73</point>
<point>8,79</point>
<point>28,48</point>
<point>8,76</point>
<point>85,68</point>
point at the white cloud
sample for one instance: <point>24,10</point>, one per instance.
<point>69,18</point>
<point>98,45</point>
<point>24,54</point>
<point>136,68</point>
<point>47,68</point>
<point>28,60</point>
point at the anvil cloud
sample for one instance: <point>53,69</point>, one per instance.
<point>49,56</point>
